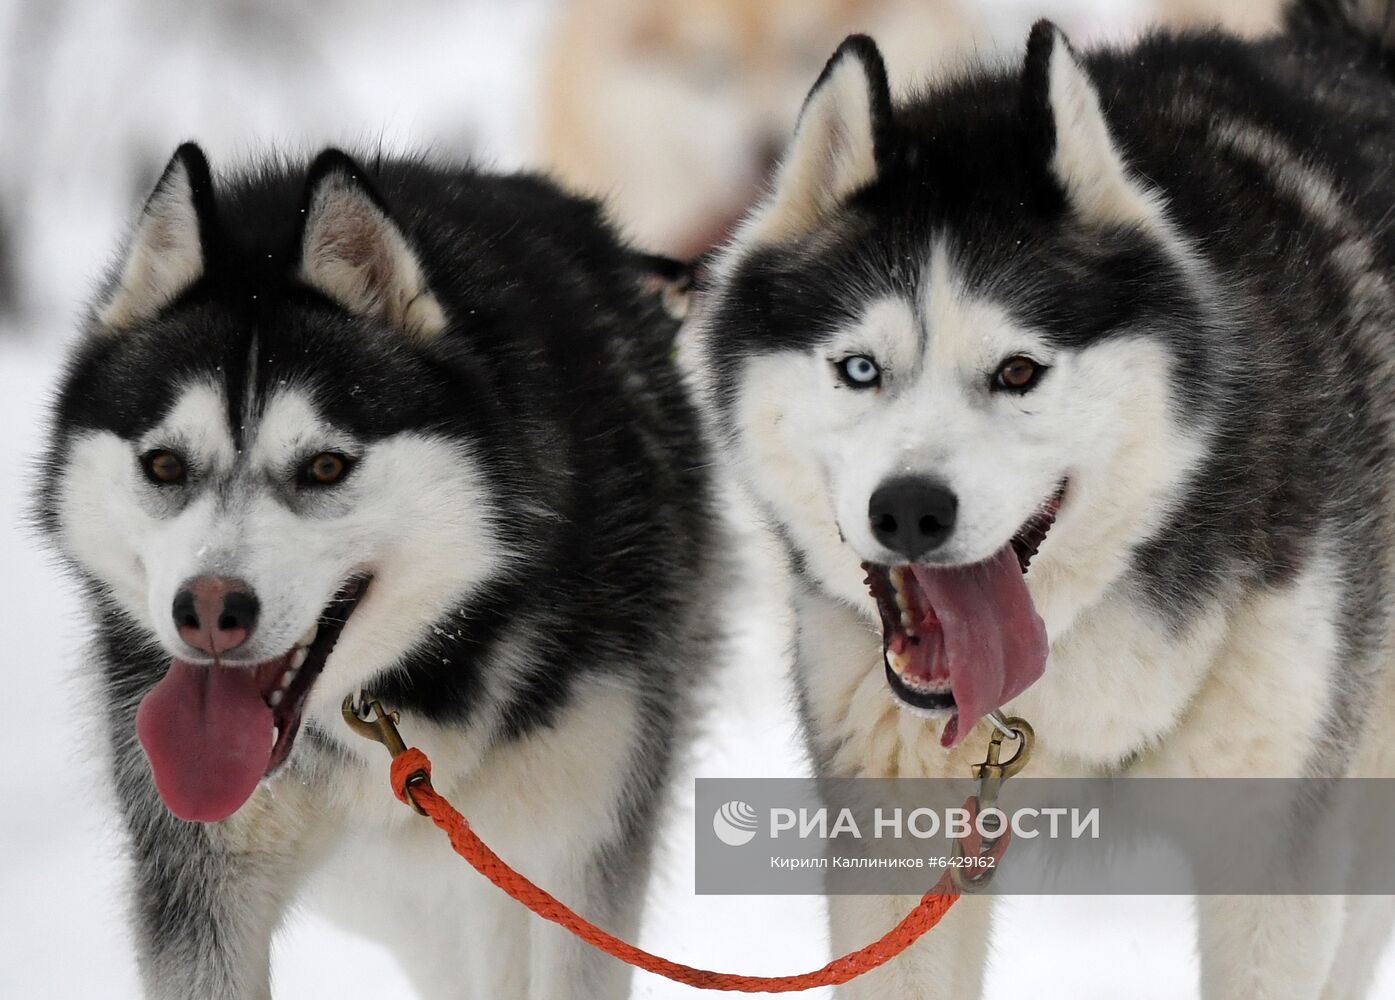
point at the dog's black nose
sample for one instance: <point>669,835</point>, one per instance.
<point>912,516</point>
<point>215,614</point>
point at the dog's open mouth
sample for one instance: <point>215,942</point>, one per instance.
<point>212,733</point>
<point>964,639</point>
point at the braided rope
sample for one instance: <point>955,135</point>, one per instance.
<point>411,776</point>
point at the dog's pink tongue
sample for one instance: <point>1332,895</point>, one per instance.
<point>208,735</point>
<point>993,639</point>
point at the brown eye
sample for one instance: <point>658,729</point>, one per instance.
<point>164,468</point>
<point>325,469</point>
<point>1018,374</point>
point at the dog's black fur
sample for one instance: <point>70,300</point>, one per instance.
<point>556,369</point>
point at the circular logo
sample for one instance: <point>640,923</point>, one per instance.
<point>734,824</point>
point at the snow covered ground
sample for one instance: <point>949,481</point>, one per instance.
<point>460,76</point>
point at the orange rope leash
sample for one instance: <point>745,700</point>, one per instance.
<point>411,781</point>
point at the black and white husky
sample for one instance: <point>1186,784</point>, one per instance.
<point>1127,316</point>
<point>411,429</point>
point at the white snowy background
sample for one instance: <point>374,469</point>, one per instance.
<point>95,96</point>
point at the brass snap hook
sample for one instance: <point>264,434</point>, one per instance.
<point>1021,730</point>
<point>373,722</point>
<point>994,771</point>
<point>376,723</point>
<point>991,774</point>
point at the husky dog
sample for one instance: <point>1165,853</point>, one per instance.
<point>1127,317</point>
<point>411,429</point>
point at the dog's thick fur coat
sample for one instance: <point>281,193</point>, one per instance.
<point>1191,242</point>
<point>525,493</point>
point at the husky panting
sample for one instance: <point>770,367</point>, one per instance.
<point>1069,388</point>
<point>407,429</point>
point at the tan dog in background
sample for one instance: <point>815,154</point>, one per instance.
<point>676,109</point>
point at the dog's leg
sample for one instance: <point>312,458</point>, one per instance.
<point>1366,933</point>
<point>1260,713</point>
<point>610,893</point>
<point>573,809</point>
<point>496,931</point>
<point>1267,947</point>
<point>1369,920</point>
<point>208,897</point>
<point>454,933</point>
<point>947,962</point>
<point>854,730</point>
<point>468,940</point>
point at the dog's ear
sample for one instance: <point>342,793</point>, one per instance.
<point>167,253</point>
<point>352,252</point>
<point>1062,111</point>
<point>838,142</point>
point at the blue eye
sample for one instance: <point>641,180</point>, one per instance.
<point>859,371</point>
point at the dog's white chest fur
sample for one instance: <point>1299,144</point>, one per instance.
<point>1234,693</point>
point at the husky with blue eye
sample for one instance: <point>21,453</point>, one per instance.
<point>410,429</point>
<point>1068,389</point>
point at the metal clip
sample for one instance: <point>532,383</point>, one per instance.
<point>373,722</point>
<point>991,774</point>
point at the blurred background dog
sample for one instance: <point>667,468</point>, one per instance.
<point>675,110</point>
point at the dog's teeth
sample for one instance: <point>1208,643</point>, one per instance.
<point>298,658</point>
<point>275,734</point>
<point>922,684</point>
<point>287,679</point>
<point>899,661</point>
<point>906,622</point>
<point>309,635</point>
<point>274,698</point>
<point>898,580</point>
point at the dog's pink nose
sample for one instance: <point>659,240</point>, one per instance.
<point>215,613</point>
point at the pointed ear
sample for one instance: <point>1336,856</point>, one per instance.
<point>1062,109</point>
<point>166,254</point>
<point>837,146</point>
<point>352,252</point>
